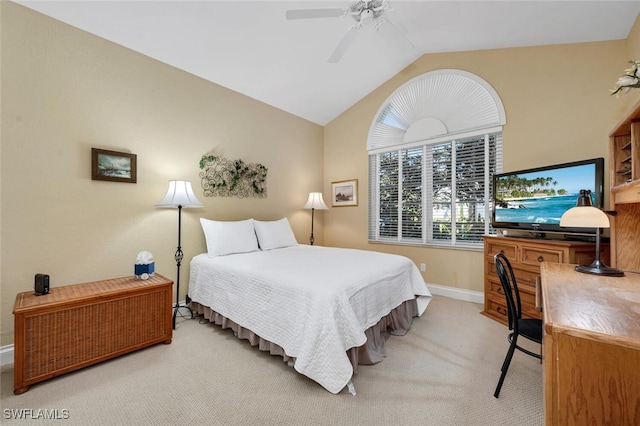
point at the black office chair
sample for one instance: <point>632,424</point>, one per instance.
<point>528,328</point>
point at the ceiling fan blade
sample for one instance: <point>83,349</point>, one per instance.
<point>344,44</point>
<point>314,13</point>
<point>398,31</point>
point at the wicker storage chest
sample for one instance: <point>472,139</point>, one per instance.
<point>79,325</point>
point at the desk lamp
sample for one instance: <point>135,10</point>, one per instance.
<point>584,215</point>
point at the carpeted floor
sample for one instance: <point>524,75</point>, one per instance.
<point>443,372</point>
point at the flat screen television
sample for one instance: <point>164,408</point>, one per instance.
<point>534,199</point>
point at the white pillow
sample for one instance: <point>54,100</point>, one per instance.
<point>229,237</point>
<point>274,234</point>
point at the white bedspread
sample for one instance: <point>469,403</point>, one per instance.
<point>289,296</point>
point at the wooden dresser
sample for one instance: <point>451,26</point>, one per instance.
<point>526,256</point>
<point>79,325</point>
<point>591,347</point>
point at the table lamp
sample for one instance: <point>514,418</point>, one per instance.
<point>314,202</point>
<point>584,215</point>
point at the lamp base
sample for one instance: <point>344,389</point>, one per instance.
<point>599,268</point>
<point>176,311</point>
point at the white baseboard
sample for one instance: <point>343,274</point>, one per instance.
<point>6,358</point>
<point>457,293</point>
<point>6,352</point>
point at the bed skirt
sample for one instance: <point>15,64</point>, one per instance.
<point>397,322</point>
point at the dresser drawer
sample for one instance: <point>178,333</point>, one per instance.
<point>530,311</point>
<point>528,296</point>
<point>498,310</point>
<point>504,247</point>
<point>585,257</point>
<point>495,287</point>
<point>523,276</point>
<point>535,255</point>
<point>498,302</point>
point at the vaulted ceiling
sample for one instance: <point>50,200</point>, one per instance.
<point>250,46</point>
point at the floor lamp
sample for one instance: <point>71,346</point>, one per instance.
<point>584,215</point>
<point>180,196</point>
<point>314,202</point>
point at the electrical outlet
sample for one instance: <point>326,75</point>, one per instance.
<point>423,267</point>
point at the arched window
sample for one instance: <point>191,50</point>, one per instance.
<point>434,147</point>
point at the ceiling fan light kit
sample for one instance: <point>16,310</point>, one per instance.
<point>364,12</point>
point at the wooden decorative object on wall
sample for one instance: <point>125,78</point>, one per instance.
<point>232,178</point>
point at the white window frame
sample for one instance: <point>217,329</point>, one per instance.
<point>426,172</point>
<point>432,109</point>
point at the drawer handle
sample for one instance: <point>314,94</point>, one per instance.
<point>540,258</point>
<point>501,310</point>
<point>501,251</point>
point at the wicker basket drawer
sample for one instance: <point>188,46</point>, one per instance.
<point>79,325</point>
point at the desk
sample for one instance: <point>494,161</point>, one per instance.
<point>591,347</point>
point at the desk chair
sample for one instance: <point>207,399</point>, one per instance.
<point>528,328</point>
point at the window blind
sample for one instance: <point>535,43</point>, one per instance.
<point>434,194</point>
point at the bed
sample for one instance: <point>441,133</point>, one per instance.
<point>325,310</point>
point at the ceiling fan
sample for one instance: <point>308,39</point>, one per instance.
<point>364,12</point>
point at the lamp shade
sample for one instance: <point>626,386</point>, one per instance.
<point>180,194</point>
<point>584,217</point>
<point>315,201</point>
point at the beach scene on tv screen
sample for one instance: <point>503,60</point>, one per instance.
<point>541,196</point>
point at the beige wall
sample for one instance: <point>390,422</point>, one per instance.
<point>558,109</point>
<point>632,45</point>
<point>65,91</point>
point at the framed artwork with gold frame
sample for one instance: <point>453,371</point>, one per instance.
<point>344,193</point>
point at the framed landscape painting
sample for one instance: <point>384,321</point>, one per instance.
<point>344,193</point>
<point>113,166</point>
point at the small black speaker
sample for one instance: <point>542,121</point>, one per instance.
<point>41,285</point>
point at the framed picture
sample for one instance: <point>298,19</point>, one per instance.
<point>113,166</point>
<point>344,193</point>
